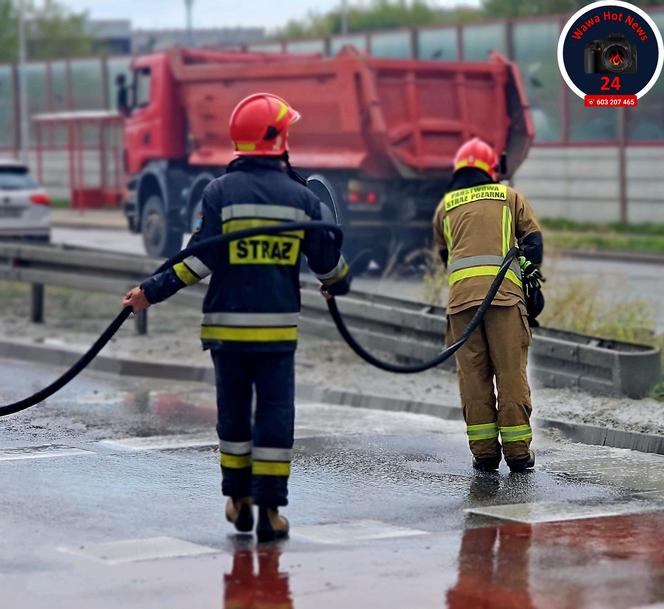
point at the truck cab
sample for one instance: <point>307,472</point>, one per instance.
<point>154,143</point>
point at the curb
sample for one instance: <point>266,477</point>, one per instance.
<point>86,225</point>
<point>605,436</point>
<point>577,432</point>
<point>377,402</point>
<point>45,354</point>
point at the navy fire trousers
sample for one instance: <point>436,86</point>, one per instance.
<point>255,448</point>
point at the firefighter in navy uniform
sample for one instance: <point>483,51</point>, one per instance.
<point>250,312</point>
<point>476,224</point>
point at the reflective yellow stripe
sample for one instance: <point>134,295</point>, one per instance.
<point>482,271</point>
<point>345,269</point>
<point>245,146</point>
<point>484,431</point>
<point>184,274</point>
<point>235,461</point>
<point>251,320</point>
<point>258,335</point>
<point>230,226</point>
<point>270,468</point>
<point>482,427</point>
<point>521,438</point>
<point>197,266</point>
<point>483,436</point>
<point>283,110</point>
<point>447,230</point>
<point>516,433</point>
<point>264,211</point>
<point>507,229</point>
<point>516,428</point>
<point>480,164</point>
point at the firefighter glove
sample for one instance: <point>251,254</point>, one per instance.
<point>529,271</point>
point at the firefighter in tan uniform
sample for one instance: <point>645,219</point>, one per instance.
<point>476,224</point>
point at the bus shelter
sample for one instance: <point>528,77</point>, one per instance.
<point>86,147</point>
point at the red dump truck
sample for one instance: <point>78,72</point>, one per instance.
<point>383,131</point>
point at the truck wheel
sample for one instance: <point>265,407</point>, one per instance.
<point>363,257</point>
<point>159,239</point>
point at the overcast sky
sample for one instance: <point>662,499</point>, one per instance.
<point>212,13</point>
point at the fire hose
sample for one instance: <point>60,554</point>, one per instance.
<point>333,309</point>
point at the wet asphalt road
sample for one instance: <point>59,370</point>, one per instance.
<point>110,498</point>
<point>637,281</point>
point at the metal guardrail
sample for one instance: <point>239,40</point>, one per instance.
<point>406,329</point>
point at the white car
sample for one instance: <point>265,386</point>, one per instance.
<point>25,208</point>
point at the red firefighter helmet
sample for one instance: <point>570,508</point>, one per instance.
<point>259,125</point>
<point>477,153</point>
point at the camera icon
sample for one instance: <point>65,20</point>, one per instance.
<point>615,55</point>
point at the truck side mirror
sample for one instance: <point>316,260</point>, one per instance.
<point>502,166</point>
<point>122,95</point>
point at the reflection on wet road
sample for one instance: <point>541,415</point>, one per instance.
<point>110,498</point>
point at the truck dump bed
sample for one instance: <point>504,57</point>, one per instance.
<point>385,118</point>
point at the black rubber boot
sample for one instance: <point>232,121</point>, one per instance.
<point>521,465</point>
<point>486,464</point>
<point>271,526</point>
<point>240,514</point>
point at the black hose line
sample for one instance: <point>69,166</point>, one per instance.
<point>70,374</point>
<point>444,355</point>
<point>114,326</point>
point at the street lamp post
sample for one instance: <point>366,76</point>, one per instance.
<point>344,17</point>
<point>189,5</point>
<point>22,85</point>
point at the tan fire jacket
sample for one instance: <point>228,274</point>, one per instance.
<point>477,226</point>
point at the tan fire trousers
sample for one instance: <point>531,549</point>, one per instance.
<point>498,350</point>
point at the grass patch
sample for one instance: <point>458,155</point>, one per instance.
<point>60,203</point>
<point>579,305</point>
<point>560,224</point>
<point>612,236</point>
<point>434,283</point>
<point>658,392</point>
<point>645,244</point>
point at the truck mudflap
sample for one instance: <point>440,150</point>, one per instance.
<point>521,131</point>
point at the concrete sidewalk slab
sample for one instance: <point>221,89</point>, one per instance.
<point>132,550</point>
<point>560,511</point>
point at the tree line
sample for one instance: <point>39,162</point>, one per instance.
<point>53,31</point>
<point>392,14</point>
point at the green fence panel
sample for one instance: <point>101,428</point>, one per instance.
<point>534,46</point>
<point>392,44</point>
<point>479,40</point>
<point>7,107</point>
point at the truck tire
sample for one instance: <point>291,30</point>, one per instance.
<point>159,239</point>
